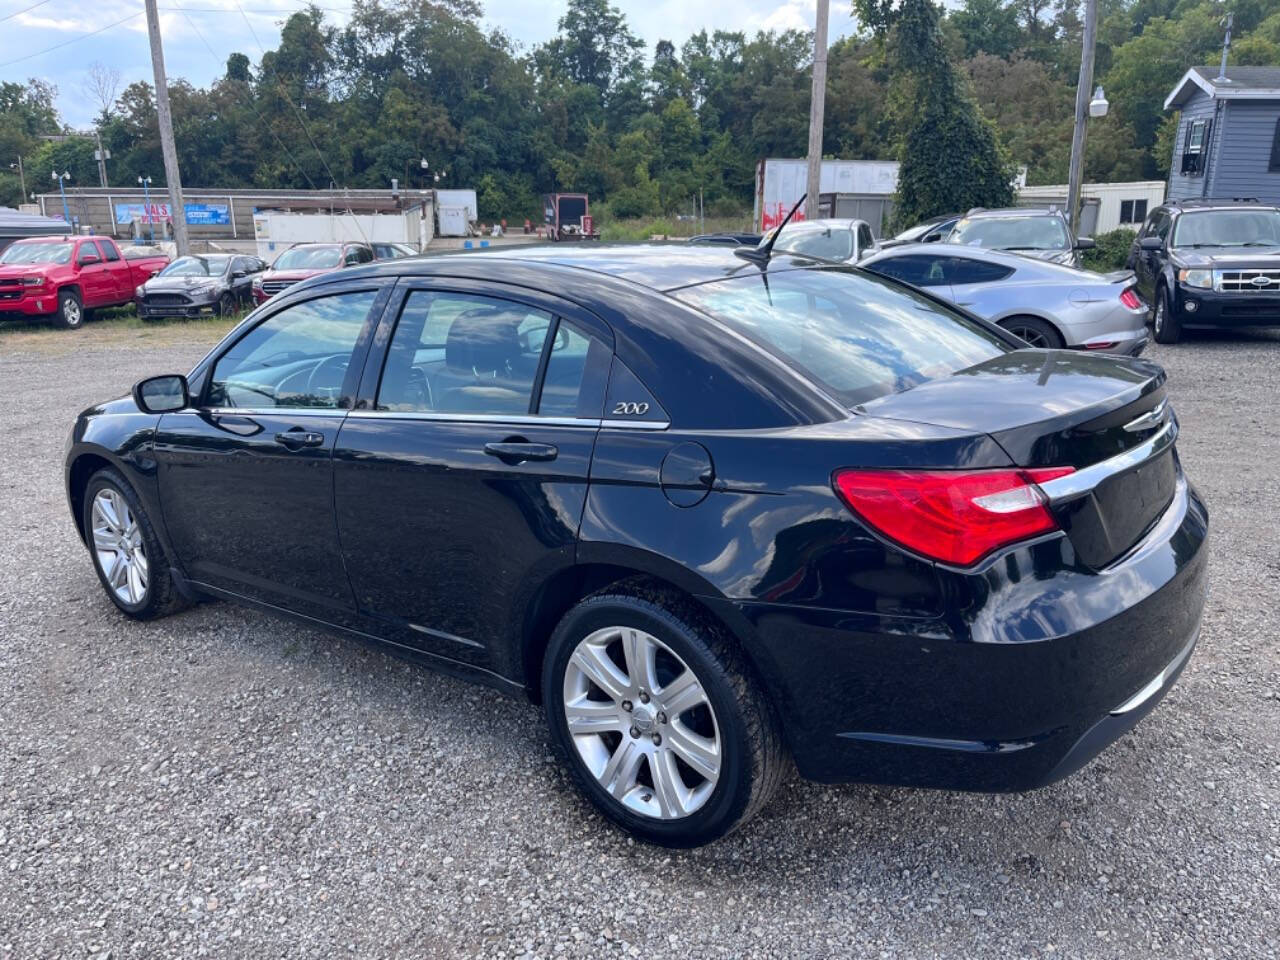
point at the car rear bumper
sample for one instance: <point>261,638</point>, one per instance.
<point>1026,689</point>
<point>1209,308</point>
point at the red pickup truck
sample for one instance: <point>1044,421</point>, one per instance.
<point>64,277</point>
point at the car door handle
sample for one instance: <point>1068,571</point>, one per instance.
<point>296,439</point>
<point>518,451</point>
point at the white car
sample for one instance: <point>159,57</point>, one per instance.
<point>842,240</point>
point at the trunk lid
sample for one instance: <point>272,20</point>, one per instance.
<point>1051,408</point>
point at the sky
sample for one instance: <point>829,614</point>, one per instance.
<point>57,40</point>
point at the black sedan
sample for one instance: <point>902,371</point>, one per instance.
<point>200,285</point>
<point>715,515</point>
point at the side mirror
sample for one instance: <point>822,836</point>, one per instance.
<point>89,259</point>
<point>239,274</point>
<point>162,394</point>
<point>1085,243</point>
<point>1151,243</point>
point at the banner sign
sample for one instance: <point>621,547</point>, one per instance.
<point>198,214</point>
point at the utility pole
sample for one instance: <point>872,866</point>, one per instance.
<point>22,177</point>
<point>176,208</point>
<point>1075,175</point>
<point>101,156</point>
<point>817,99</point>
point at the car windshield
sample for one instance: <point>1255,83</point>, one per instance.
<point>829,243</point>
<point>196,267</point>
<point>1228,228</point>
<point>308,258</point>
<point>1012,233</point>
<point>37,253</point>
<point>856,335</point>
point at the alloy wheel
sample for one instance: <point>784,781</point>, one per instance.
<point>118,546</point>
<point>72,313</point>
<point>1160,316</point>
<point>642,723</point>
<point>1032,336</point>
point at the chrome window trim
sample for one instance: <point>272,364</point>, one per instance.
<point>1083,481</point>
<point>515,419</point>
<point>272,411</point>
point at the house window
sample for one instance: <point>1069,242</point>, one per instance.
<point>1274,166</point>
<point>1194,149</point>
<point>1133,211</point>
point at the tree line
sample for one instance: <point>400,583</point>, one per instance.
<point>981,88</point>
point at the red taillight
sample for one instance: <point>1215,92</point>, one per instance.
<point>952,516</point>
<point>1129,297</point>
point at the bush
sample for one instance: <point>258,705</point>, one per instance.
<point>1111,252</point>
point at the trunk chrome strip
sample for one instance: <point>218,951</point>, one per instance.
<point>1083,481</point>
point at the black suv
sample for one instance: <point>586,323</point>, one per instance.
<point>1209,263</point>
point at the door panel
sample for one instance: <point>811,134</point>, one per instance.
<point>463,487</point>
<point>246,477</point>
<point>252,514</point>
<point>439,536</point>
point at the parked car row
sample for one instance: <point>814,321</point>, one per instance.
<point>61,278</point>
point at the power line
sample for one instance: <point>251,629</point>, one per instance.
<point>17,13</point>
<point>64,43</point>
<point>249,102</point>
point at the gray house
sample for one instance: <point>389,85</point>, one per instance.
<point>1228,142</point>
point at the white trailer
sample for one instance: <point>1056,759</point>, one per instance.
<point>275,232</point>
<point>1118,204</point>
<point>457,210</point>
<point>781,183</point>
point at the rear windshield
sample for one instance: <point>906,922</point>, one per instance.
<point>858,336</point>
<point>37,253</point>
<point>1012,233</point>
<point>308,258</point>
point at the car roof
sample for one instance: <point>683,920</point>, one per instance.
<point>1011,212</point>
<point>660,266</point>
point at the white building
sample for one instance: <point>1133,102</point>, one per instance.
<point>1117,204</point>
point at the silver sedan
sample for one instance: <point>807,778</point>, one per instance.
<point>1046,304</point>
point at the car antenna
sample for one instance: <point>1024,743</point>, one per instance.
<point>761,253</point>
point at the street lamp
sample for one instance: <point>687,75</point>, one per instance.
<point>22,177</point>
<point>146,205</point>
<point>1098,106</point>
<point>66,213</point>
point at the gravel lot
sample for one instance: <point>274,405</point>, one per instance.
<point>223,784</point>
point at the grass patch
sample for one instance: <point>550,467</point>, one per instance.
<point>113,325</point>
<point>643,228</point>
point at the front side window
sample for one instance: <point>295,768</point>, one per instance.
<point>295,358</point>
<point>455,353</point>
<point>88,253</point>
<point>1013,233</point>
<point>1228,228</point>
<point>827,243</point>
<point>857,336</point>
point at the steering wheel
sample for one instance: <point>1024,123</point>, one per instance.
<point>338,361</point>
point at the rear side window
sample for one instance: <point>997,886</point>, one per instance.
<point>919,270</point>
<point>857,336</point>
<point>460,354</point>
<point>963,270</point>
<point>109,249</point>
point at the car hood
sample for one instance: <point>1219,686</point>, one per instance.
<point>1229,258</point>
<point>15,271</point>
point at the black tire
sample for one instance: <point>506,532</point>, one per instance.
<point>1165,325</point>
<point>226,304</point>
<point>161,597</point>
<point>71,312</point>
<point>753,760</point>
<point>1037,332</point>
